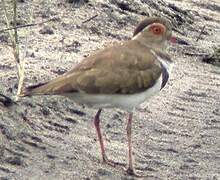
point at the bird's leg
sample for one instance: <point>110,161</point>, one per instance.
<point>102,147</point>
<point>130,169</point>
<point>99,134</point>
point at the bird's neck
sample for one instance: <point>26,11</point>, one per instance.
<point>150,43</point>
<point>157,49</point>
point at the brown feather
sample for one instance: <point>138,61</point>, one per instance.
<point>122,69</point>
<point>28,90</point>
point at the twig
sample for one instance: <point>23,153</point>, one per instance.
<point>15,45</point>
<point>195,54</point>
<point>87,20</point>
<point>20,65</point>
<point>31,22</point>
<point>203,28</point>
<point>26,25</point>
<point>7,21</point>
<point>35,24</point>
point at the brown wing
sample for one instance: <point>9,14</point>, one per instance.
<point>122,69</point>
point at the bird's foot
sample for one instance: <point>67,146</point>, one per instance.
<point>130,171</point>
<point>110,162</point>
<point>121,166</point>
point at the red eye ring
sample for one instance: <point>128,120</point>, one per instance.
<point>157,29</point>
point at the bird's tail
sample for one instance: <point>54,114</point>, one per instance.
<point>57,86</point>
<point>36,89</point>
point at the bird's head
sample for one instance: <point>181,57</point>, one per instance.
<point>154,32</point>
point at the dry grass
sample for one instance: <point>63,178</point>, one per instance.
<point>11,18</point>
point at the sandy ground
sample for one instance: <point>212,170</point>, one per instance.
<point>176,135</point>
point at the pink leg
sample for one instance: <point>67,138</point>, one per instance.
<point>99,134</point>
<point>130,169</point>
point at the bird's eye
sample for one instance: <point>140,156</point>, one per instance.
<point>157,29</point>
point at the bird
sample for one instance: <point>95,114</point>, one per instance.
<point>123,76</point>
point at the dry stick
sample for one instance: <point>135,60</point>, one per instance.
<point>203,28</point>
<point>20,65</point>
<point>31,24</point>
<point>43,22</point>
<point>87,20</point>
<point>7,21</point>
<point>14,40</point>
<point>26,25</point>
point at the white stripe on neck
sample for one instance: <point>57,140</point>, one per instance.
<point>136,36</point>
<point>168,65</point>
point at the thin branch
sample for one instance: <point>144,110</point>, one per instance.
<point>87,20</point>
<point>7,20</point>
<point>20,65</point>
<point>28,34</point>
<point>26,25</point>
<point>195,54</point>
<point>203,28</point>
<point>40,23</point>
<point>15,21</point>
<point>15,45</point>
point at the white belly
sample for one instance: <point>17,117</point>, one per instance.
<point>124,101</point>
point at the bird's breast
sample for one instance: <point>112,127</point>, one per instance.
<point>166,66</point>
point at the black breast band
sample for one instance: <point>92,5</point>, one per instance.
<point>165,76</point>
